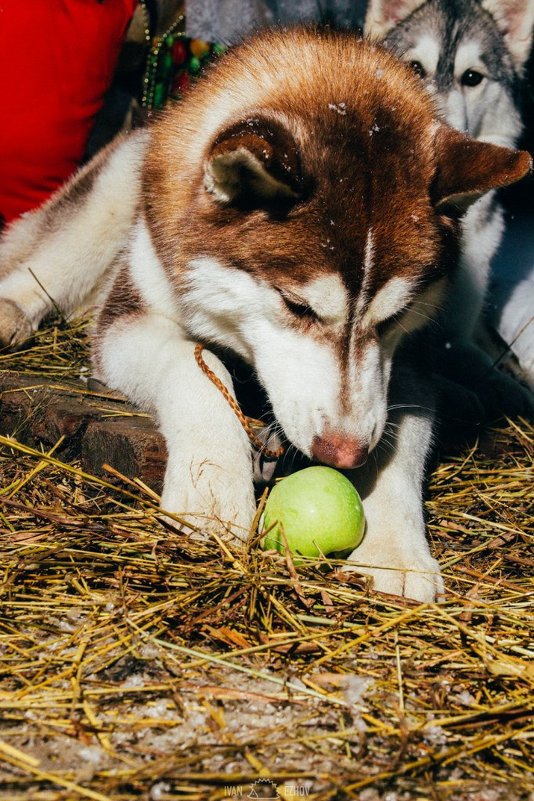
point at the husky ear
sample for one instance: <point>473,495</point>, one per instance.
<point>467,169</point>
<point>383,15</point>
<point>515,20</point>
<point>254,162</point>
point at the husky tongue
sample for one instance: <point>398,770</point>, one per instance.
<point>339,451</point>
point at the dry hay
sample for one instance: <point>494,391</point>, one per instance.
<point>137,664</point>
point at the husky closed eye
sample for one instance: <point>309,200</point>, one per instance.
<point>298,306</point>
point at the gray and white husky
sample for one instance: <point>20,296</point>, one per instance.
<point>471,55</point>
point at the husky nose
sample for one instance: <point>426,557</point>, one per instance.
<point>339,451</point>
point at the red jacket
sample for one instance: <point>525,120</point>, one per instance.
<point>57,58</point>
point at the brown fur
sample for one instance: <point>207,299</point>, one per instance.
<point>338,154</point>
<point>356,144</point>
<point>307,182</point>
<point>123,299</point>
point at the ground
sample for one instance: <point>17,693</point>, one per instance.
<point>136,664</point>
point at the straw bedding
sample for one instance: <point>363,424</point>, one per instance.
<point>138,664</point>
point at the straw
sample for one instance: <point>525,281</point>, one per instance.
<point>140,663</point>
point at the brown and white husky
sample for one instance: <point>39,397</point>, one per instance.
<point>302,216</point>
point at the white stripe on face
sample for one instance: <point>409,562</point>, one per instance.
<point>368,263</point>
<point>369,252</point>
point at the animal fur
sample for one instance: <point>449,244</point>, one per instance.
<point>471,55</point>
<point>303,217</point>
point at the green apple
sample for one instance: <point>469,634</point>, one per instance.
<point>317,509</point>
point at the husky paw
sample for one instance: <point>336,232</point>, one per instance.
<point>415,576</point>
<point>14,325</point>
<point>224,506</point>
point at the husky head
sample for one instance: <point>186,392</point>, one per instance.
<point>470,53</point>
<point>320,224</point>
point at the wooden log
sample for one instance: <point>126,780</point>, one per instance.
<point>98,427</point>
<point>132,445</point>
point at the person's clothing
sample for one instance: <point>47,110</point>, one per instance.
<point>57,59</point>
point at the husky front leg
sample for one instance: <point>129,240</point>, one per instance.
<point>394,551</point>
<point>482,231</point>
<point>56,256</point>
<point>464,359</point>
<point>208,479</point>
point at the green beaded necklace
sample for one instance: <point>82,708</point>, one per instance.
<point>173,62</point>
